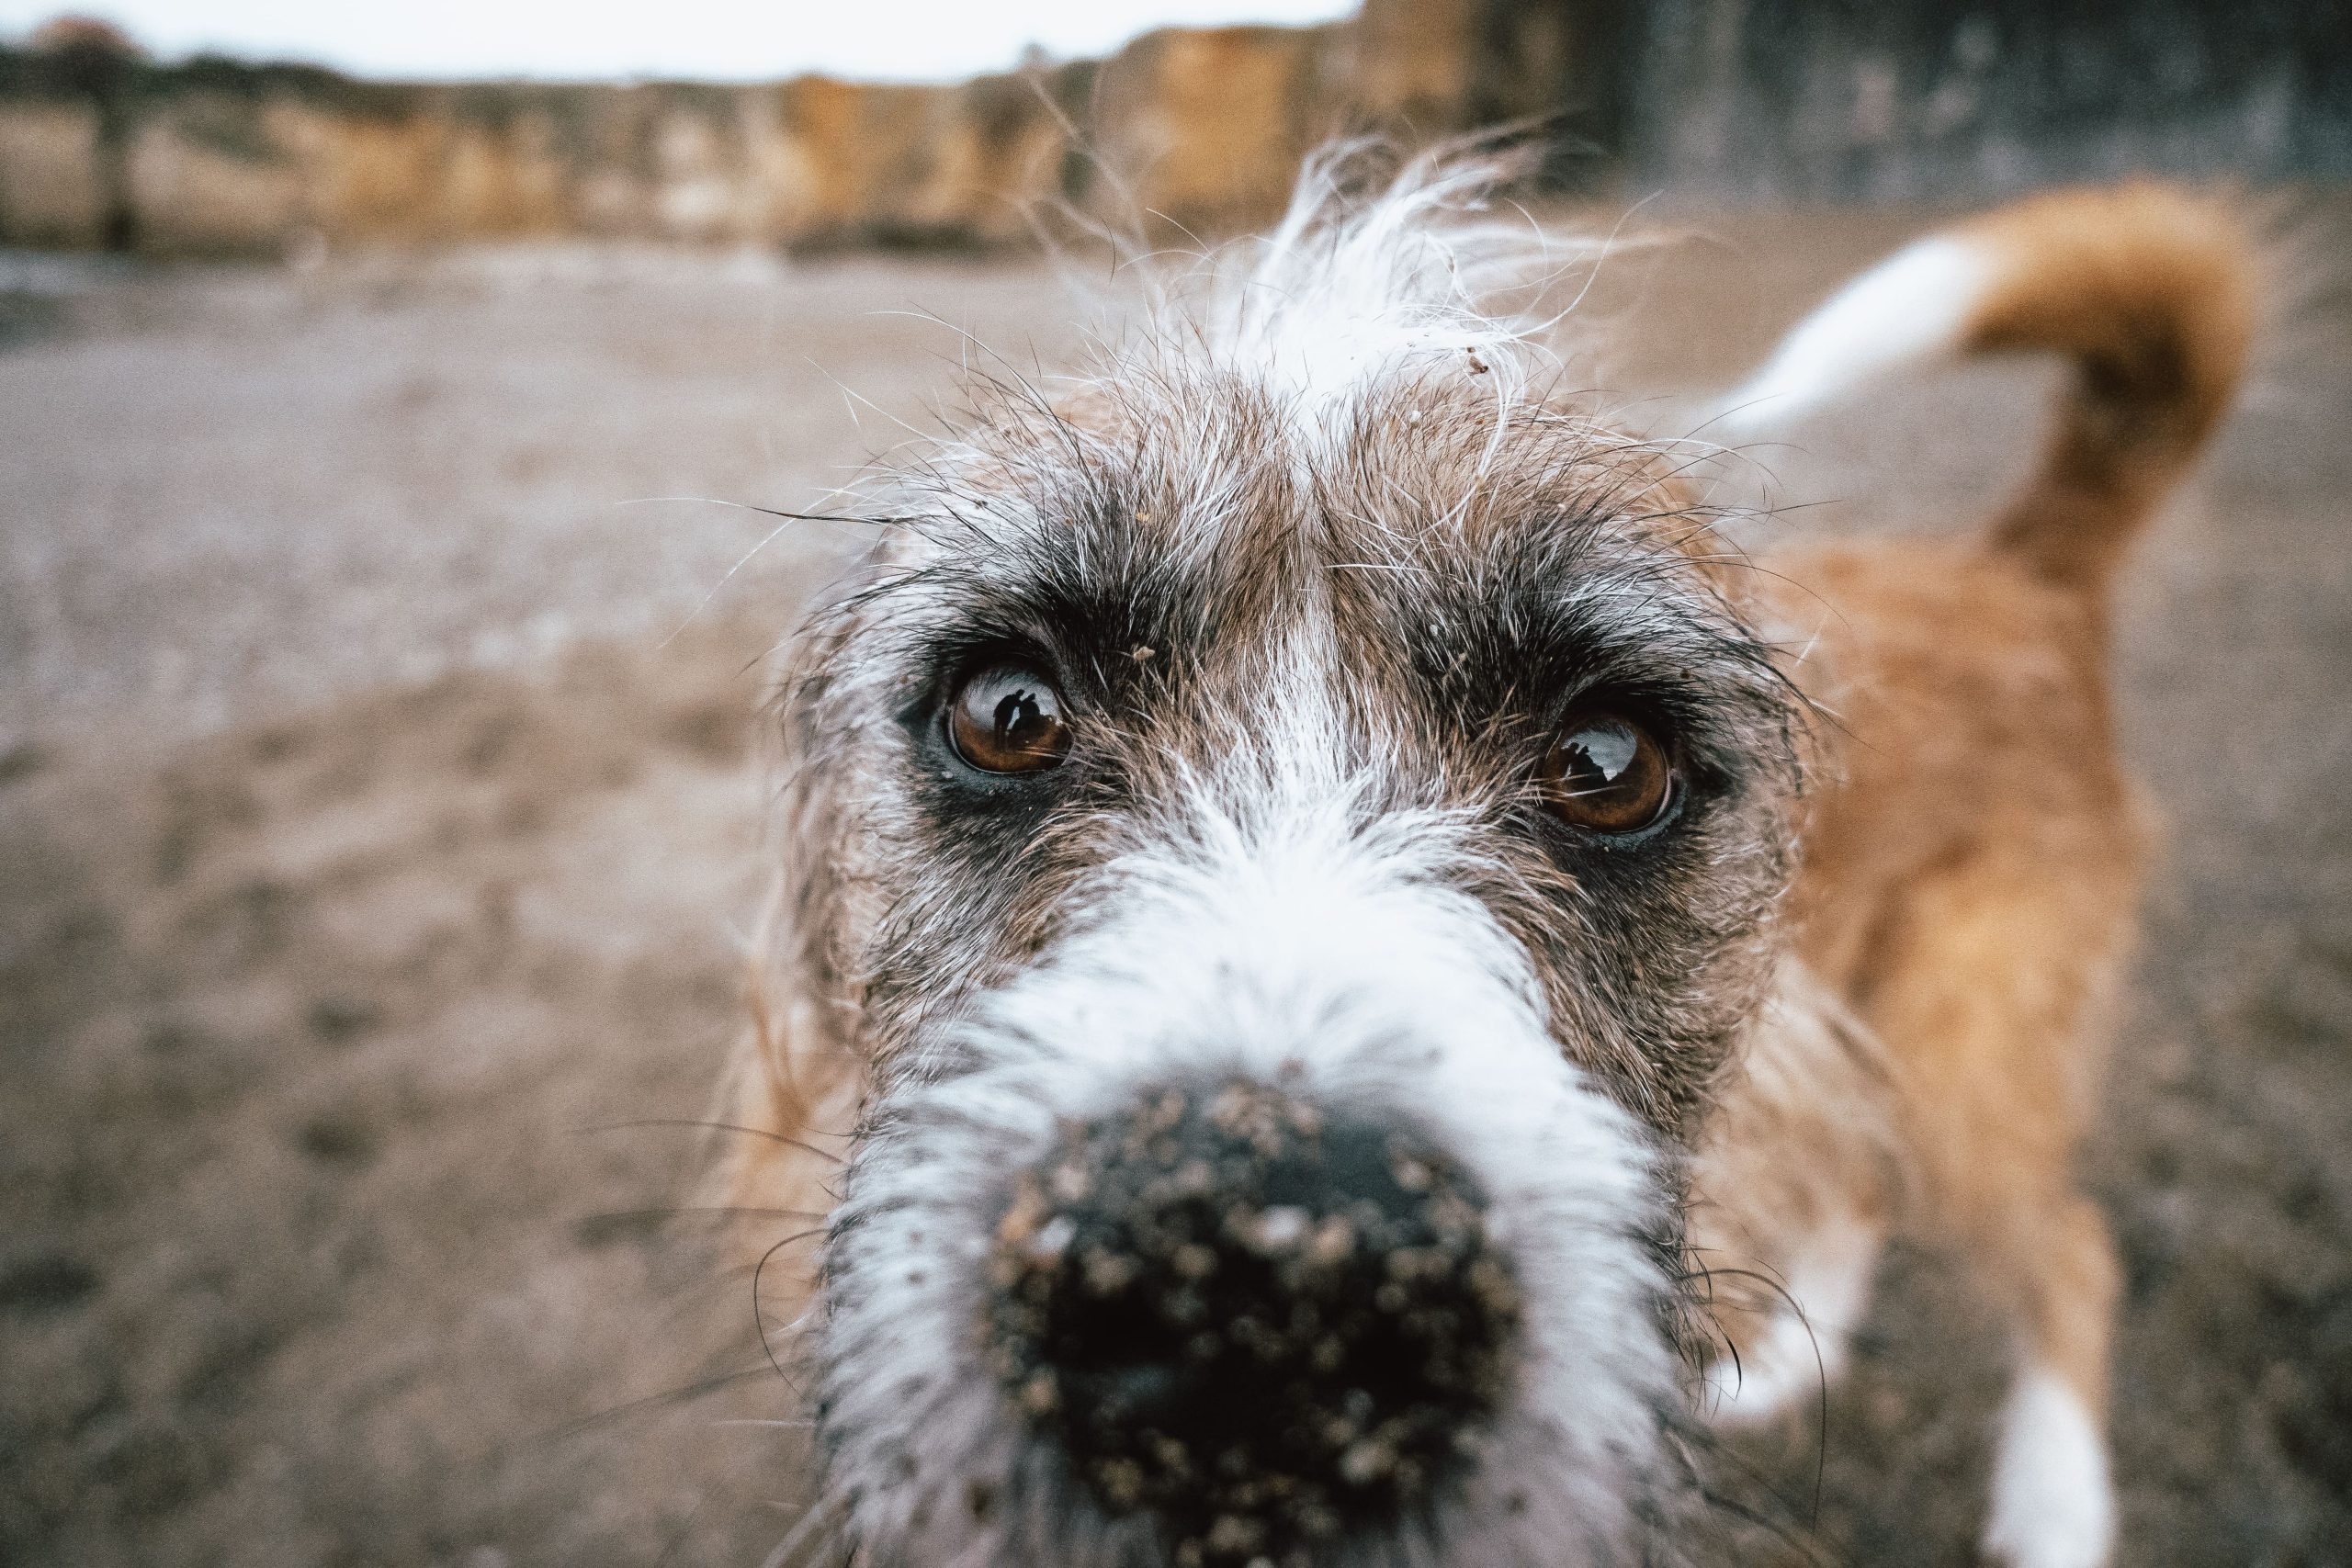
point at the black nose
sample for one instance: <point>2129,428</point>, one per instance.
<point>1265,1326</point>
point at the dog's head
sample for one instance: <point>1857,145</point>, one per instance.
<point>1287,827</point>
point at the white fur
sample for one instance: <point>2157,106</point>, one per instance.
<point>1913,306</point>
<point>1804,1347</point>
<point>1346,291</point>
<point>1295,943</point>
<point>2053,1503</point>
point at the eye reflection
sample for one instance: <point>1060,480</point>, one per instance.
<point>1007,718</point>
<point>1606,774</point>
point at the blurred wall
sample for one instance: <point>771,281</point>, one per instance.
<point>218,156</point>
<point>1772,99</point>
<point>101,149</point>
<point>1848,100</point>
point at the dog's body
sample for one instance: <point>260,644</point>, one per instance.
<point>1316,596</point>
<point>1971,872</point>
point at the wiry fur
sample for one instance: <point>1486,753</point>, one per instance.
<point>1320,561</point>
<point>1331,955</point>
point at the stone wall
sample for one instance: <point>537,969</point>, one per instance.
<point>1204,127</point>
<point>1765,99</point>
<point>217,157</point>
<point>1848,100</point>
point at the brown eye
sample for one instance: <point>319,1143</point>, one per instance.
<point>1007,718</point>
<point>1607,774</point>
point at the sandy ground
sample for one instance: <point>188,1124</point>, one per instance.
<point>378,823</point>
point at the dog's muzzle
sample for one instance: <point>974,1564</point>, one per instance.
<point>1263,1222</point>
<point>1265,1323</point>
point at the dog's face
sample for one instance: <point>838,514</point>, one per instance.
<point>1291,852</point>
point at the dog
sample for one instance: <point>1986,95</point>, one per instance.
<point>1348,979</point>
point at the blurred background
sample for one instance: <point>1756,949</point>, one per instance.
<point>386,398</point>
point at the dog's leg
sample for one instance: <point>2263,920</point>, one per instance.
<point>1788,1344</point>
<point>1987,986</point>
<point>2053,1506</point>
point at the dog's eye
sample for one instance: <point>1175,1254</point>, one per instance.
<point>1607,774</point>
<point>1007,718</point>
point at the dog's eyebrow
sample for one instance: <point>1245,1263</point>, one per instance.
<point>1089,585</point>
<point>1540,612</point>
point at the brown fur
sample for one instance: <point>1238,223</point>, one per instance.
<point>1972,854</point>
<point>1971,870</point>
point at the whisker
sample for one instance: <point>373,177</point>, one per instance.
<point>772,1137</point>
<point>621,1216</point>
<point>681,1396</point>
<point>759,1318</point>
<point>817,1517</point>
<point>1820,1363</point>
<point>766,510</point>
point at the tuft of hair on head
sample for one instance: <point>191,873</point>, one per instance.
<point>1382,265</point>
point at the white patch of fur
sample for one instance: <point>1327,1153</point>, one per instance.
<point>1307,947</point>
<point>1347,290</point>
<point>1913,306</point>
<point>2053,1503</point>
<point>1804,1348</point>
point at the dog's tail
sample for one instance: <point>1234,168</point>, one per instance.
<point>2148,290</point>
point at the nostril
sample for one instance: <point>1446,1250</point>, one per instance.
<point>1265,1325</point>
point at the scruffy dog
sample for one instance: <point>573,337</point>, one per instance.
<point>1330,924</point>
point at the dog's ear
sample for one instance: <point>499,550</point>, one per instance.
<point>1808,1075</point>
<point>1798,1140</point>
<point>797,1083</point>
<point>791,1095</point>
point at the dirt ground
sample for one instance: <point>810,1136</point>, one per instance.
<point>378,827</point>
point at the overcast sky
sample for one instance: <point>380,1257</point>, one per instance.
<point>879,39</point>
